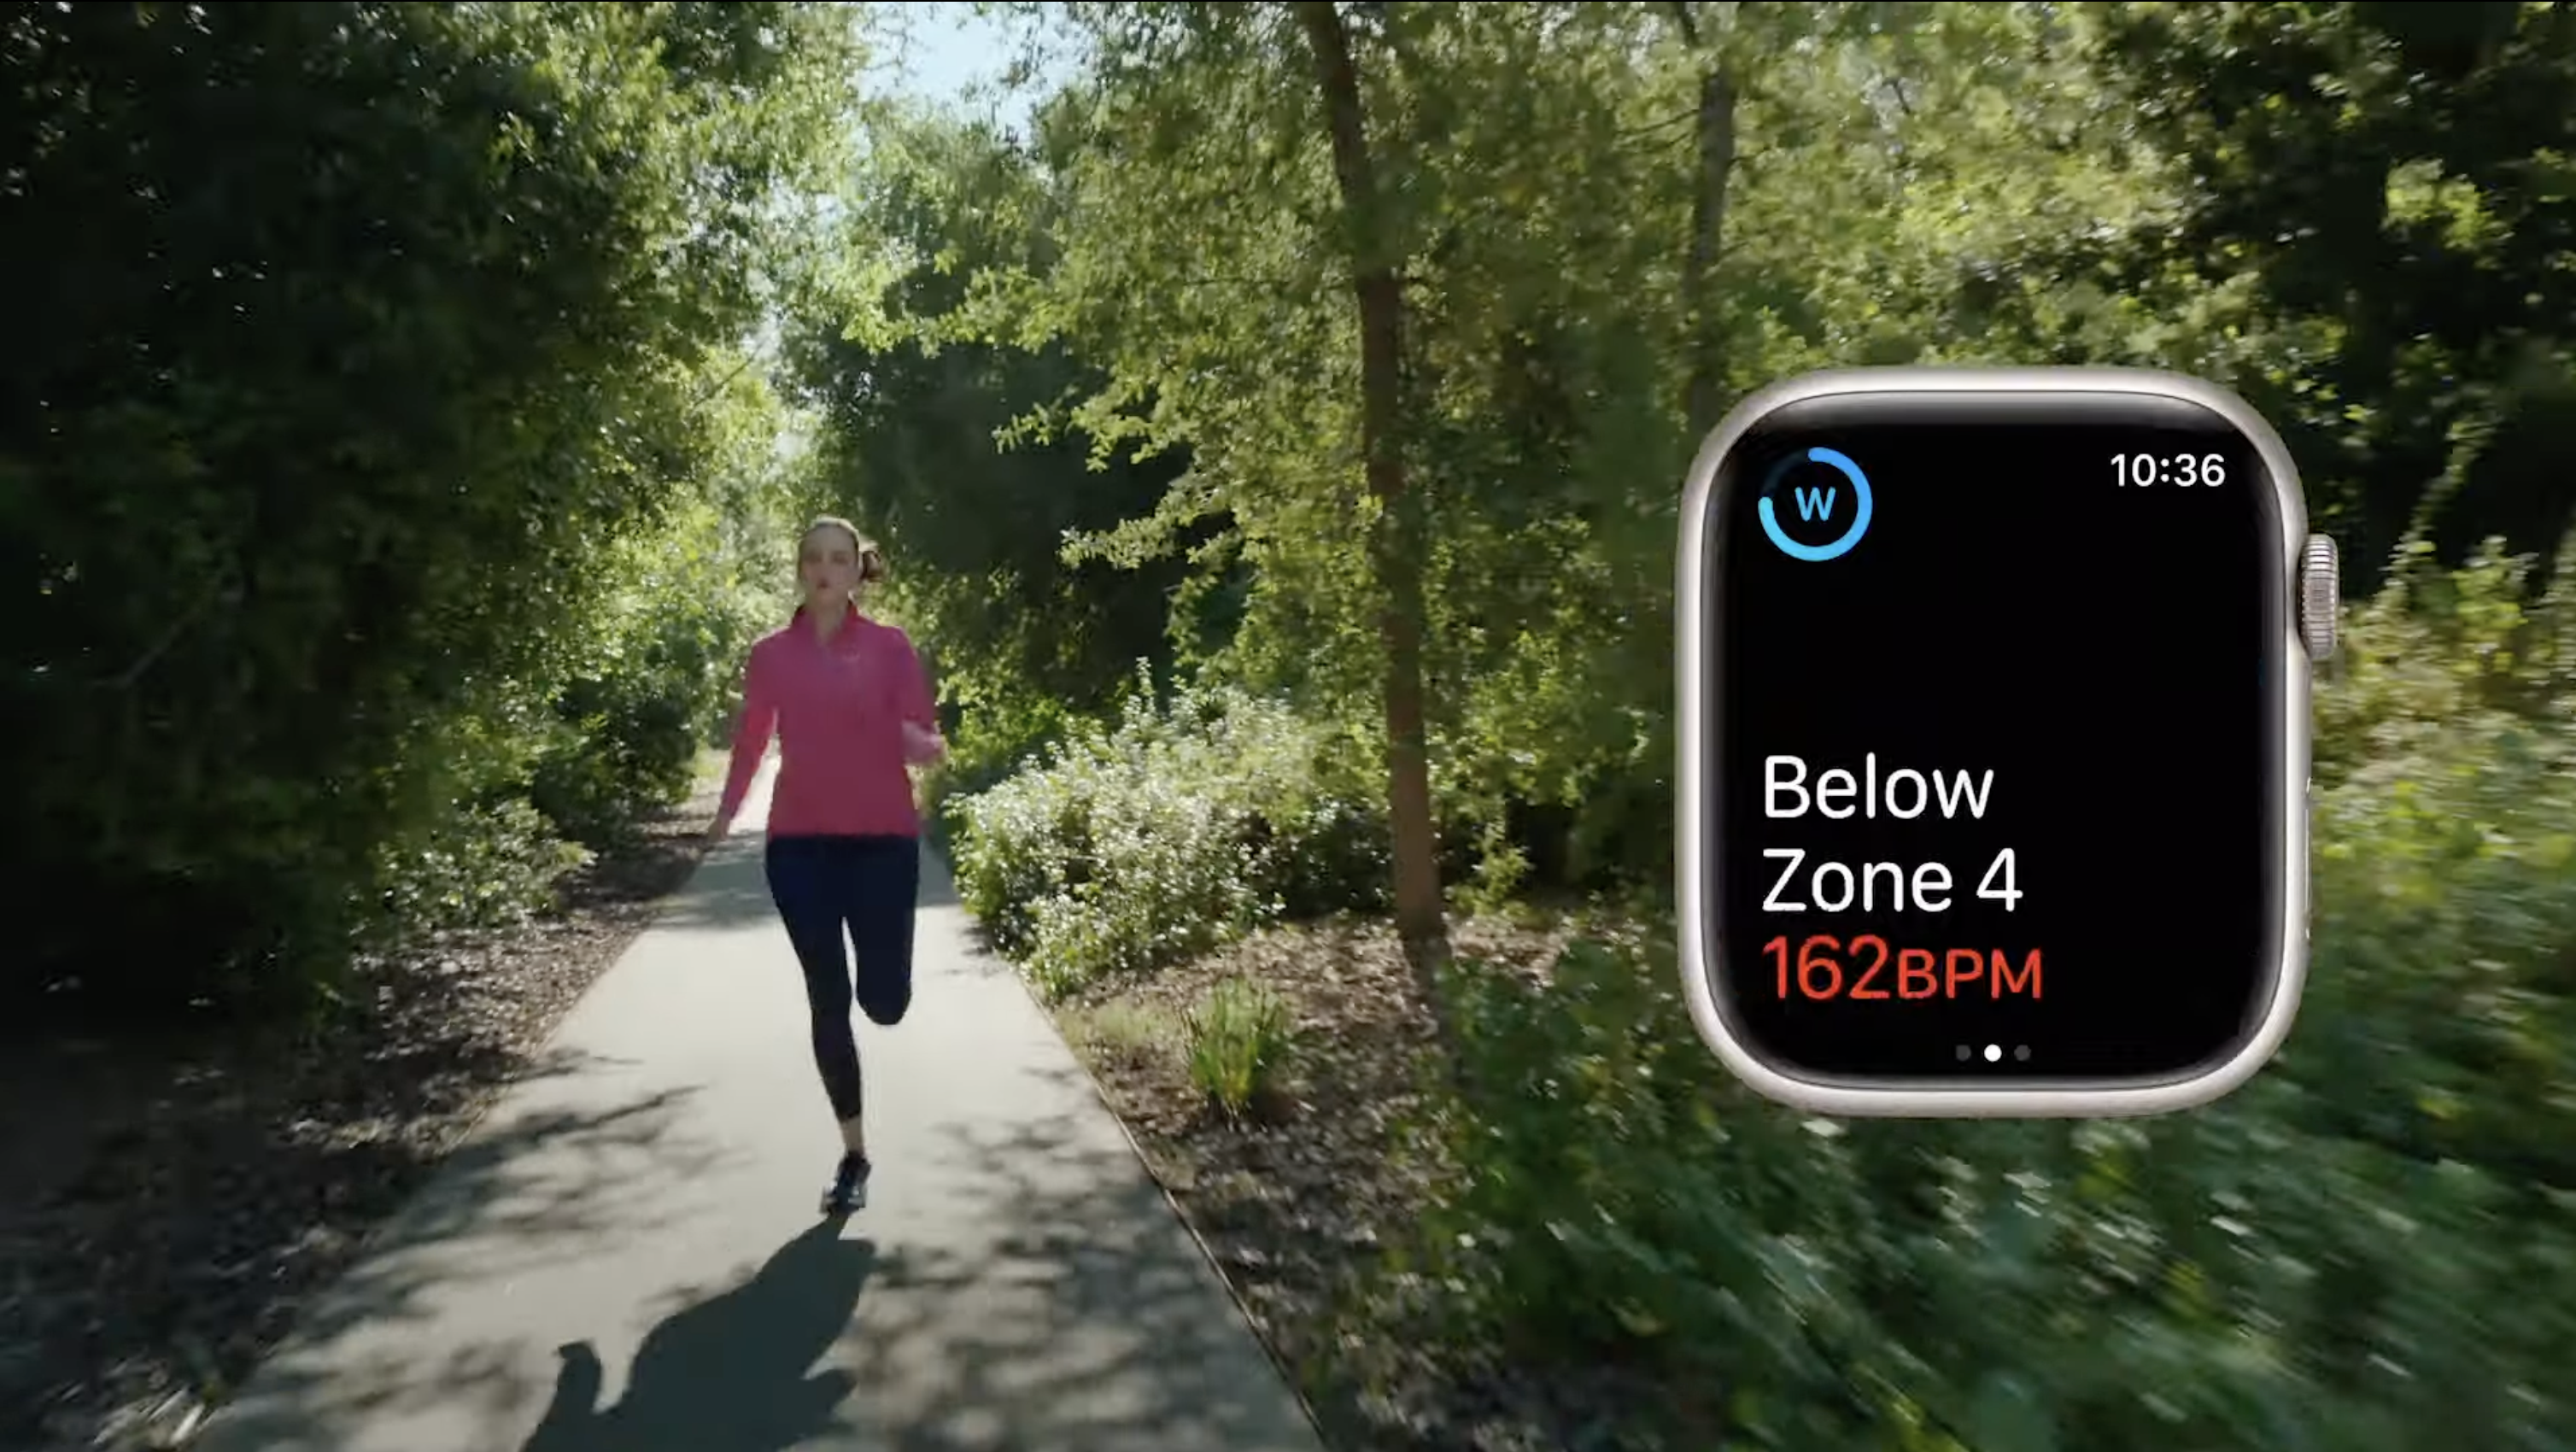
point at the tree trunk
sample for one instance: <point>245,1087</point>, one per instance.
<point>1396,540</point>
<point>1708,219</point>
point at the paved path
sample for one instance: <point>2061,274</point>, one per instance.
<point>625,1256</point>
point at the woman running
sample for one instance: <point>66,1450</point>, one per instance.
<point>851,707</point>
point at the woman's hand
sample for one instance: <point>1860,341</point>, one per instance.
<point>921,745</point>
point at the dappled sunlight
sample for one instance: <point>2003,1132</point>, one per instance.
<point>1272,421</point>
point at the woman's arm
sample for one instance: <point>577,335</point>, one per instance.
<point>750,738</point>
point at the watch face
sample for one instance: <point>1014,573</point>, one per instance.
<point>1994,742</point>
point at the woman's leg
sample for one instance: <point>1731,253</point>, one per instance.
<point>806,877</point>
<point>885,888</point>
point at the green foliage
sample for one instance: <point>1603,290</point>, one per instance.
<point>1886,160</point>
<point>655,681</point>
<point>1153,278</point>
<point>1099,394</point>
<point>2446,844</point>
<point>919,441</point>
<point>1183,827</point>
<point>2393,181</point>
<point>357,346</point>
<point>2440,653</point>
<point>1237,1034</point>
<point>482,866</point>
<point>2372,1246</point>
<point>1106,388</point>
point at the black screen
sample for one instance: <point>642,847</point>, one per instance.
<point>2048,663</point>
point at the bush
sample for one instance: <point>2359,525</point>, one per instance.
<point>1176,831</point>
<point>2371,1246</point>
<point>2437,647</point>
<point>1238,1034</point>
<point>487,866</point>
<point>653,685</point>
<point>989,741</point>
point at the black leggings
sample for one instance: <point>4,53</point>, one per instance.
<point>868,886</point>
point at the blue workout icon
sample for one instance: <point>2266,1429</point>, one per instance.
<point>1817,505</point>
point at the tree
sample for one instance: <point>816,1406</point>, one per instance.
<point>1714,131</point>
<point>1189,252</point>
<point>1374,248</point>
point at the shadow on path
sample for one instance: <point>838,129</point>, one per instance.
<point>735,1372</point>
<point>539,1184</point>
<point>731,889</point>
<point>1026,1286</point>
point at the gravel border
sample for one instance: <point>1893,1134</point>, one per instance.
<point>1300,1206</point>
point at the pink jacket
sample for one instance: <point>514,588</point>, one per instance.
<point>839,710</point>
